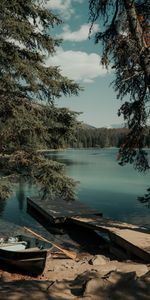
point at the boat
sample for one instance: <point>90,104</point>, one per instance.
<point>23,254</point>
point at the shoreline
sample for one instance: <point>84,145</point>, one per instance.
<point>90,277</point>
<point>98,276</point>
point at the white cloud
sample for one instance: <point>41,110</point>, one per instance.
<point>79,35</point>
<point>78,65</point>
<point>58,4</point>
<point>63,6</point>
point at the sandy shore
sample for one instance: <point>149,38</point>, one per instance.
<point>89,277</point>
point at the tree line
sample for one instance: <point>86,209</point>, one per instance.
<point>87,137</point>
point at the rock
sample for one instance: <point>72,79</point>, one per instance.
<point>124,267</point>
<point>114,277</point>
<point>94,287</point>
<point>82,278</point>
<point>98,260</point>
<point>83,256</point>
<point>60,290</point>
<point>139,269</point>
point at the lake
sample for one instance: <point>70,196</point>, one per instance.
<point>107,186</point>
<point>103,184</point>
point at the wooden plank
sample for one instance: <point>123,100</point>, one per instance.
<point>131,237</point>
<point>97,222</point>
<point>47,216</point>
<point>57,211</point>
<point>134,244</point>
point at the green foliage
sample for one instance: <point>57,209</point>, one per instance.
<point>27,123</point>
<point>125,38</point>
<point>91,137</point>
<point>25,42</point>
<point>88,137</point>
<point>47,174</point>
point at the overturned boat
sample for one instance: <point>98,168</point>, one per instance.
<point>23,254</point>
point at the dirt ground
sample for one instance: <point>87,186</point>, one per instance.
<point>89,277</point>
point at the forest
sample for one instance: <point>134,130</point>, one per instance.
<point>88,136</point>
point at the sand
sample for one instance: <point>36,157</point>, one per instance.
<point>89,277</point>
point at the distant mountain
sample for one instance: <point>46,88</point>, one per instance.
<point>117,125</point>
<point>87,126</point>
<point>112,126</point>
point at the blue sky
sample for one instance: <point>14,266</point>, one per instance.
<point>79,59</point>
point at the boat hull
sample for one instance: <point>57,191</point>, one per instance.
<point>31,260</point>
<point>31,263</point>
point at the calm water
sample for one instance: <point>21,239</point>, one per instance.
<point>104,185</point>
<point>107,186</point>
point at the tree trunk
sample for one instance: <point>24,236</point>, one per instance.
<point>138,35</point>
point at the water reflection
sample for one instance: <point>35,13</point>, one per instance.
<point>20,194</point>
<point>61,159</point>
<point>106,186</point>
<point>2,206</point>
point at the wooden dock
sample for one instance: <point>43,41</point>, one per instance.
<point>133,239</point>
<point>58,211</point>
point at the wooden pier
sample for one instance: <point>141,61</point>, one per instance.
<point>132,239</point>
<point>58,211</point>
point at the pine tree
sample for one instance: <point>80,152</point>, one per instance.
<point>125,39</point>
<point>26,122</point>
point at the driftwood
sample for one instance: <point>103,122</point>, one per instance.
<point>71,254</point>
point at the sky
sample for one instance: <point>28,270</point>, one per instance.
<point>79,59</point>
